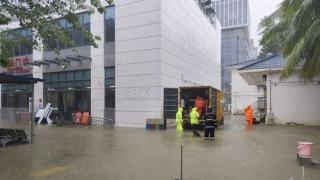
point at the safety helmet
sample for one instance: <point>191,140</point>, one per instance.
<point>209,109</point>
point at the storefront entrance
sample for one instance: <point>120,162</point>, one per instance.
<point>69,92</point>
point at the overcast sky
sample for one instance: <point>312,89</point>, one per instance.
<point>259,9</point>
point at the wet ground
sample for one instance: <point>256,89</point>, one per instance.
<point>261,152</point>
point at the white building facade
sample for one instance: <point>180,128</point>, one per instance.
<point>146,48</point>
<point>291,101</point>
<point>244,94</point>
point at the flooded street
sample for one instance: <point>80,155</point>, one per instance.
<point>239,152</point>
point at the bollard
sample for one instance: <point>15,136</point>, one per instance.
<point>157,124</point>
<point>148,124</point>
<point>152,124</point>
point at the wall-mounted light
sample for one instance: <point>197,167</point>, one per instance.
<point>63,67</point>
<point>264,77</point>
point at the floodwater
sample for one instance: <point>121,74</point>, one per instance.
<point>260,152</point>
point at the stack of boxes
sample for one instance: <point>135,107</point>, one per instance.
<point>156,124</point>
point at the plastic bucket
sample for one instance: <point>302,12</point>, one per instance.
<point>305,148</point>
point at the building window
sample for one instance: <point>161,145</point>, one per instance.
<point>68,91</point>
<point>109,21</point>
<point>16,96</point>
<point>76,35</point>
<point>110,87</point>
<point>22,48</point>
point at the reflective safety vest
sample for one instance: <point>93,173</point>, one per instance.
<point>194,115</point>
<point>179,116</point>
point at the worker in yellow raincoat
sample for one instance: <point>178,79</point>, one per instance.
<point>179,120</point>
<point>194,116</point>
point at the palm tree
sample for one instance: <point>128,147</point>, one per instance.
<point>298,21</point>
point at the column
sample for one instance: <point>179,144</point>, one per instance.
<point>97,67</point>
<point>37,73</point>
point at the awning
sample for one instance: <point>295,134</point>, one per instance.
<point>10,78</point>
<point>56,60</point>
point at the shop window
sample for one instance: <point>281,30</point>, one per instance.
<point>76,35</point>
<point>4,100</point>
<point>22,48</point>
<point>62,86</point>
<point>15,96</point>
<point>79,100</point>
<point>87,74</point>
<point>79,75</point>
<point>69,91</point>
<point>70,76</point>
<point>62,76</point>
<point>54,77</point>
<point>110,24</point>
<point>110,97</point>
<point>87,84</point>
<point>110,87</point>
<point>79,85</point>
<point>70,85</point>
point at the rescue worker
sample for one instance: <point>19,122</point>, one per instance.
<point>179,119</point>
<point>194,115</point>
<point>210,122</point>
<point>249,114</point>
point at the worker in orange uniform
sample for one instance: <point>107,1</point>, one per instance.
<point>249,114</point>
<point>179,119</point>
<point>194,115</point>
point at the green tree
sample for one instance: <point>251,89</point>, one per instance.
<point>39,16</point>
<point>273,45</point>
<point>298,21</point>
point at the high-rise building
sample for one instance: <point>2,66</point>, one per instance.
<point>234,16</point>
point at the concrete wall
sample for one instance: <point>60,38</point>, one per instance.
<point>161,43</point>
<point>191,46</point>
<point>295,101</point>
<point>97,67</point>
<point>138,61</point>
<point>242,93</point>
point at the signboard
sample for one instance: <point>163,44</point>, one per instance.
<point>40,112</point>
<point>43,114</point>
<point>45,111</point>
<point>18,66</point>
<point>85,118</point>
<point>77,117</point>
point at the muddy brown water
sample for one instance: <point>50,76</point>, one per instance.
<point>260,152</point>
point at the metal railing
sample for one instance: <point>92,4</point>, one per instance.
<point>9,114</point>
<point>109,113</point>
<point>93,122</point>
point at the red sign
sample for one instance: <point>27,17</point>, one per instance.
<point>40,102</point>
<point>77,117</point>
<point>18,65</point>
<point>85,118</point>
